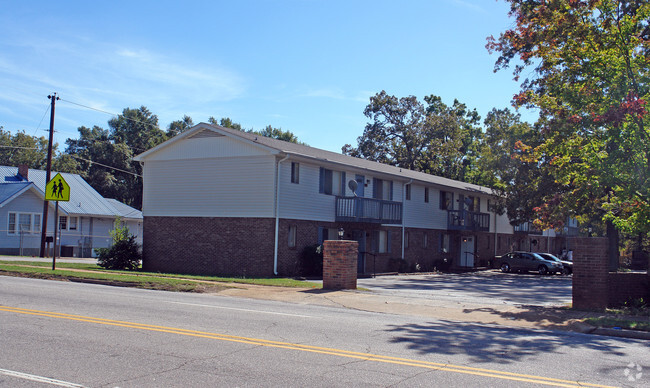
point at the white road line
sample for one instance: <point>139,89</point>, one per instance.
<point>246,310</point>
<point>39,379</point>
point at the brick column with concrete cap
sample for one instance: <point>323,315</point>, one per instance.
<point>340,264</point>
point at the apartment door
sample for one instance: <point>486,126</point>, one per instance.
<point>467,251</point>
<point>360,237</point>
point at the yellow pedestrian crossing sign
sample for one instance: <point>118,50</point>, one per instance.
<point>57,189</point>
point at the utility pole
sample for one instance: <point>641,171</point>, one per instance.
<point>52,97</point>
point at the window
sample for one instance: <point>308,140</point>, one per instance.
<point>425,241</point>
<point>37,223</point>
<point>444,243</point>
<point>63,222</point>
<point>11,225</point>
<point>383,242</point>
<point>23,223</point>
<point>72,225</point>
<point>292,236</point>
<point>382,189</point>
<point>406,240</point>
<point>295,172</point>
<point>446,200</point>
<point>408,192</point>
<point>472,204</point>
<point>426,195</point>
<point>331,182</point>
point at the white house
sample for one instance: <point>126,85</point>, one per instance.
<point>84,222</point>
<point>222,201</point>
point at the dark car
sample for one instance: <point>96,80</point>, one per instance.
<point>528,261</point>
<point>568,265</point>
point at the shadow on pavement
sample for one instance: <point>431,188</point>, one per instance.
<point>491,344</point>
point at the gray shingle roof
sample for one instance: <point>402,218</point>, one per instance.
<point>304,151</point>
<point>84,200</point>
<point>8,190</point>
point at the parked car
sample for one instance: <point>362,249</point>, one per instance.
<point>528,261</point>
<point>566,264</point>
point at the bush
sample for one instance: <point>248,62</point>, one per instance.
<point>123,254</point>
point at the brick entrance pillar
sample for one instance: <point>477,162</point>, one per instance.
<point>590,273</point>
<point>340,264</point>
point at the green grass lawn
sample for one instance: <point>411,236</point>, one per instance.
<point>151,280</point>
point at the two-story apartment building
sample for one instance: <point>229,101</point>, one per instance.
<point>222,201</point>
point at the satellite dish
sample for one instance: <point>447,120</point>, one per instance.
<point>352,184</point>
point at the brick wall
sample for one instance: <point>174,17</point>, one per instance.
<point>209,245</point>
<point>594,287</point>
<point>590,273</point>
<point>340,264</point>
<point>624,286</point>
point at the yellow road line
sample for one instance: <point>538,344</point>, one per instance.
<point>312,349</point>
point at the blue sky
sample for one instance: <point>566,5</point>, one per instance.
<point>307,66</point>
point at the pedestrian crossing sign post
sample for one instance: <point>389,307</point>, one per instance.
<point>57,189</point>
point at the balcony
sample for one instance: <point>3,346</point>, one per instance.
<point>466,220</point>
<point>376,211</point>
<point>528,228</point>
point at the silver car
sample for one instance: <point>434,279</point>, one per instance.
<point>529,261</point>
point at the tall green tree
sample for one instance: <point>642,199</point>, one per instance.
<point>433,138</point>
<point>589,67</point>
<point>104,155</point>
<point>21,148</point>
<point>179,126</point>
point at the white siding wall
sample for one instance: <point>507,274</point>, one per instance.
<point>420,214</point>
<point>214,187</point>
<point>503,225</point>
<point>302,201</point>
<point>206,147</point>
<point>28,202</point>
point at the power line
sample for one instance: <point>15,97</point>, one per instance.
<point>105,165</point>
<point>18,147</point>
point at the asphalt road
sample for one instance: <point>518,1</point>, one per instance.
<point>98,336</point>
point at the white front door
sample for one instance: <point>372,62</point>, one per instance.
<point>467,251</point>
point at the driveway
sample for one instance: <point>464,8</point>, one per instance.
<point>486,287</point>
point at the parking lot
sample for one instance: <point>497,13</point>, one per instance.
<point>486,287</point>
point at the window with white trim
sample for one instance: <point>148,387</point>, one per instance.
<point>23,222</point>
<point>63,222</point>
<point>72,224</point>
<point>295,172</point>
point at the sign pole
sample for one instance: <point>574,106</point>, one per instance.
<point>56,228</point>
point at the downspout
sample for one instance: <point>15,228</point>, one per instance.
<point>495,233</point>
<point>403,206</point>
<point>277,215</point>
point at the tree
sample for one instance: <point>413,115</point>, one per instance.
<point>179,126</point>
<point>278,133</point>
<point>104,155</point>
<point>436,139</point>
<point>591,64</point>
<point>268,131</point>
<point>21,148</point>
